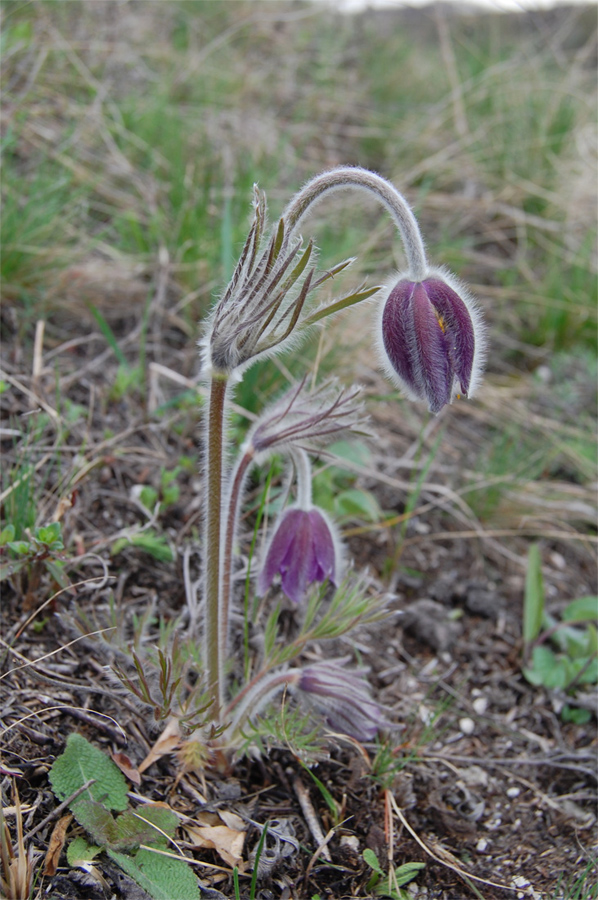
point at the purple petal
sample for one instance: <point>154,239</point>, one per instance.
<point>324,555</point>
<point>301,550</point>
<point>434,367</point>
<point>297,566</point>
<point>458,328</point>
<point>398,334</point>
<point>429,338</point>
<point>278,549</point>
<point>342,696</point>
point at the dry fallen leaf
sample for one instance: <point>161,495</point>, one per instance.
<point>126,767</point>
<point>56,844</point>
<point>166,743</point>
<point>227,842</point>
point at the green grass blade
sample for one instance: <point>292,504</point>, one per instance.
<point>533,603</point>
<point>109,335</point>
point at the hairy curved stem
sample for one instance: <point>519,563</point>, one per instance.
<point>356,177</point>
<point>233,502</point>
<point>304,476</point>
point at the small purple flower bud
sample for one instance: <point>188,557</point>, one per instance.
<point>343,697</point>
<point>433,338</point>
<point>303,549</point>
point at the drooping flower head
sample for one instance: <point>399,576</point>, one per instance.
<point>343,697</point>
<point>433,339</point>
<point>303,549</point>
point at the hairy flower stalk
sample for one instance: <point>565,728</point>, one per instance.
<point>344,177</point>
<point>214,647</point>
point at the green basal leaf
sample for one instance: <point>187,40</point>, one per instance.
<point>543,663</point>
<point>162,877</point>
<point>7,570</point>
<point>585,671</point>
<point>584,609</point>
<point>533,604</point>
<point>407,872</point>
<point>56,569</point>
<point>576,642</point>
<point>372,860</point>
<point>79,852</point>
<point>577,716</point>
<point>146,825</point>
<point>356,452</point>
<point>20,547</point>
<point>82,761</point>
<point>357,504</point>
<point>96,819</point>
<point>148,496</point>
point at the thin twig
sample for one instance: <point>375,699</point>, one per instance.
<point>444,862</point>
<point>59,809</point>
<point>311,818</point>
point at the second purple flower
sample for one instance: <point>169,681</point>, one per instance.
<point>303,549</point>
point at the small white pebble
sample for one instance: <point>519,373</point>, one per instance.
<point>482,845</point>
<point>351,841</point>
<point>425,714</point>
<point>520,882</point>
<point>466,726</point>
<point>480,705</point>
<point>558,560</point>
<point>513,792</point>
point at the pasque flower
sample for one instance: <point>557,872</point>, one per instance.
<point>343,697</point>
<point>303,549</point>
<point>433,339</point>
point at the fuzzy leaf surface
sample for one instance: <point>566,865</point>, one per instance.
<point>79,852</point>
<point>161,876</point>
<point>80,762</point>
<point>149,825</point>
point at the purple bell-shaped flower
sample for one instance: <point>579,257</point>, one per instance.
<point>303,549</point>
<point>343,697</point>
<point>433,339</point>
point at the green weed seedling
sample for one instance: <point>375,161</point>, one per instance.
<point>40,551</point>
<point>390,885</point>
<point>137,840</point>
<point>148,541</point>
<point>572,658</point>
<point>166,495</point>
